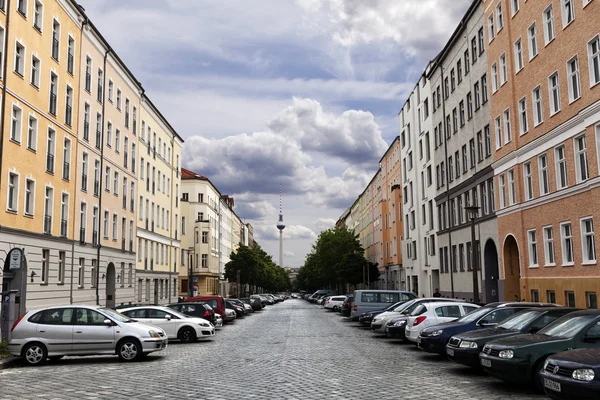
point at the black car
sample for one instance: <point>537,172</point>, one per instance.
<point>367,317</point>
<point>253,302</point>
<point>573,374</point>
<point>263,300</point>
<point>346,308</point>
<point>464,348</point>
<point>433,339</point>
<point>239,311</point>
<point>196,309</point>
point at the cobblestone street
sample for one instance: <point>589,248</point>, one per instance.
<point>292,350</point>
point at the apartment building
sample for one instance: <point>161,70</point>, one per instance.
<point>547,58</point>
<point>200,235</point>
<point>418,190</point>
<point>159,244</point>
<point>462,140</point>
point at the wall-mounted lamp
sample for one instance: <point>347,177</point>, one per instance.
<point>118,277</point>
<point>103,276</point>
<point>32,275</point>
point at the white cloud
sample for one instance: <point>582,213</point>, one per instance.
<point>292,232</point>
<point>289,253</point>
<point>253,209</point>
<point>325,223</point>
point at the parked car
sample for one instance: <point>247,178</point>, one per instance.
<point>379,323</point>
<point>239,311</point>
<point>263,300</point>
<point>334,302</point>
<point>521,358</point>
<point>573,374</point>
<point>176,325</point>
<point>253,302</point>
<point>346,308</point>
<point>367,318</point>
<point>370,300</point>
<point>434,338</point>
<point>55,332</point>
<point>230,315</point>
<point>433,314</point>
<point>323,292</point>
<point>247,309</point>
<point>216,302</point>
<point>218,320</point>
<point>198,310</point>
<point>465,347</point>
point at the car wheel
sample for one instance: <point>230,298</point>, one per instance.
<point>55,358</point>
<point>35,354</point>
<point>187,335</point>
<point>129,349</point>
<point>537,377</point>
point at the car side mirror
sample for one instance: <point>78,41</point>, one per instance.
<point>168,317</point>
<point>484,322</point>
<point>591,338</point>
<point>108,322</point>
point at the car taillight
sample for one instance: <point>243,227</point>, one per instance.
<point>355,308</point>
<point>207,313</point>
<point>419,320</point>
<point>16,323</point>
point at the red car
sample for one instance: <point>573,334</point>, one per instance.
<point>216,302</point>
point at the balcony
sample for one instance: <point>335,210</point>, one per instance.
<point>86,130</point>
<point>66,170</point>
<point>82,235</point>
<point>52,108</point>
<point>123,244</point>
<point>131,245</point>
<point>84,182</point>
<point>48,224</point>
<point>68,115</point>
<point>96,188</point>
<point>98,141</point>
<point>95,238</point>
<point>63,228</point>
<point>50,163</point>
<point>70,63</point>
<point>88,82</point>
<point>55,47</point>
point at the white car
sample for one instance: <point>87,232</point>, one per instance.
<point>218,320</point>
<point>430,314</point>
<point>176,325</point>
<point>334,302</point>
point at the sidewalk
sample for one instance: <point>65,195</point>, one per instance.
<point>8,362</point>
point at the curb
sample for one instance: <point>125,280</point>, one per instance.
<point>10,362</point>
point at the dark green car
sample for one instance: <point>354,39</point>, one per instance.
<point>521,358</point>
<point>464,348</point>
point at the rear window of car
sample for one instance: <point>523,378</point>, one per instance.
<point>56,316</point>
<point>448,311</point>
<point>213,303</point>
<point>420,309</point>
<point>376,297</point>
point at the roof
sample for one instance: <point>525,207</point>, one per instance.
<point>187,174</point>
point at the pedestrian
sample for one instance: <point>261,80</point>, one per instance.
<point>437,293</point>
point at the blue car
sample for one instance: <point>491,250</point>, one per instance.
<point>433,339</point>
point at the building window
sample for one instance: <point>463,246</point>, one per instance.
<point>13,192</point>
<point>499,16</point>
<point>86,122</point>
<point>48,210</point>
<point>94,273</point>
<point>115,227</point>
<point>19,59</point>
<point>587,240</point>
<point>532,35</point>
<point>535,296</point>
<point>204,260</point>
<point>528,181</point>
<point>592,300</point>
<point>491,30</point>
<point>61,266</point>
<point>467,63</point>
<point>38,15</point>
<point>523,116</point>
<point>55,40</point>
<point>566,243</point>
<point>554,90</point>
<point>477,97</point>
<point>35,71</point>
<point>15,124</point>
<point>594,60</point>
<point>53,93</point>
<point>514,6</point>
<point>498,126</point>
<point>551,295</point>
<point>548,24</point>
<point>573,74</point>
<point>512,192</point>
<point>570,299</point>
<point>581,159</point>
<point>119,102</point>
<point>549,246</point>
<point>503,70</point>
<point>69,106</point>
<point>538,115</point>
<point>484,89</point>
<point>502,191</point>
<point>481,41</point>
<point>45,265</point>
<point>458,71</point>
<point>100,83</point>
<point>544,179</point>
<point>88,74</point>
<point>50,150</point>
<point>71,55</point>
<point>561,167</point>
<point>568,14</point>
<point>494,77</point>
<point>533,255</point>
<point>116,183</point>
<point>479,146</point>
<point>507,129</point>
<point>474,50</point>
<point>106,216</point>
<point>472,152</point>
<point>518,55</point>
<point>29,197</point>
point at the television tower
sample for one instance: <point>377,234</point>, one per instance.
<point>281,227</point>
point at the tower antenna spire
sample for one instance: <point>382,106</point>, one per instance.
<point>280,226</point>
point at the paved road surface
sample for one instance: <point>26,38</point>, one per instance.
<point>292,350</point>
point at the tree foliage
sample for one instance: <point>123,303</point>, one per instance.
<point>336,260</point>
<point>256,269</point>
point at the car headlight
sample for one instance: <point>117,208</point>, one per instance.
<point>204,324</point>
<point>545,364</point>
<point>584,375</point>
<point>468,345</point>
<point>436,333</point>
<point>506,354</point>
<point>154,334</point>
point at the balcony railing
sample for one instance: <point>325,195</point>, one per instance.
<point>66,171</point>
<point>84,182</point>
<point>82,235</point>
<point>52,108</point>
<point>95,238</point>
<point>86,130</point>
<point>47,224</point>
<point>98,141</point>
<point>55,47</point>
<point>70,63</point>
<point>96,188</point>
<point>50,163</point>
<point>88,82</point>
<point>68,115</point>
<point>63,228</point>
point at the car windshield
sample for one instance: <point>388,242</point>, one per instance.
<point>117,316</point>
<point>519,321</point>
<point>390,308</point>
<point>567,327</point>
<point>178,314</point>
<point>404,306</point>
<point>475,314</point>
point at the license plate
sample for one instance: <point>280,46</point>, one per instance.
<point>552,385</point>
<point>450,352</point>
<point>486,363</point>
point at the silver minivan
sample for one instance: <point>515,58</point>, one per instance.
<point>54,332</point>
<point>371,300</point>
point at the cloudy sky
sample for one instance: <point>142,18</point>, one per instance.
<point>298,93</point>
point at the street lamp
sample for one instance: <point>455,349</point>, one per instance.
<point>472,214</point>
